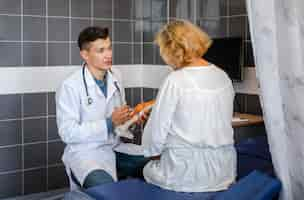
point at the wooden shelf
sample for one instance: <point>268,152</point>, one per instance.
<point>251,120</point>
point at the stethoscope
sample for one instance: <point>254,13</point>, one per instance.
<point>89,98</point>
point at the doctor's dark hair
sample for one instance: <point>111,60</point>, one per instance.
<point>90,34</point>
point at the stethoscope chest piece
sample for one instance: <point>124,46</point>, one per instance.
<point>90,101</point>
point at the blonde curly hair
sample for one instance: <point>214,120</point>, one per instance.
<point>182,41</point>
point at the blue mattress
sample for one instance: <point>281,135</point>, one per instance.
<point>255,186</point>
<point>253,154</point>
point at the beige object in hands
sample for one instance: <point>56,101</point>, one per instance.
<point>138,112</point>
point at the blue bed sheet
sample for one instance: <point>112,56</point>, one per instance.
<point>253,154</point>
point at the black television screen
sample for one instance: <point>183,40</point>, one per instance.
<point>226,53</point>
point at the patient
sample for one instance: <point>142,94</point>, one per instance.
<point>189,128</point>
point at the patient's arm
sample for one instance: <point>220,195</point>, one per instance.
<point>139,111</point>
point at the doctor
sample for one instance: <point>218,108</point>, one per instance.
<point>89,104</point>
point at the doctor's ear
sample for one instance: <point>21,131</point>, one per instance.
<point>84,54</point>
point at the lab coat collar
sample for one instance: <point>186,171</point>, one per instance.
<point>111,81</point>
<point>112,84</point>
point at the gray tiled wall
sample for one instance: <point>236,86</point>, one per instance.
<point>30,146</point>
<point>44,33</point>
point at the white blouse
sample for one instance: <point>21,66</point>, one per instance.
<point>190,126</point>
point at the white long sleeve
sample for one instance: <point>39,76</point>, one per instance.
<point>158,125</point>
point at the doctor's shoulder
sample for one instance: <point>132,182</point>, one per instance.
<point>72,82</point>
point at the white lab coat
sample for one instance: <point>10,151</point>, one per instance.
<point>190,126</point>
<point>82,127</point>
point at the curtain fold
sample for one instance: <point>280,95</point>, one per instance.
<point>277,33</point>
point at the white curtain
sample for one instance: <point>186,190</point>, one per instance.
<point>277,33</point>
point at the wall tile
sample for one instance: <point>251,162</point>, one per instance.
<point>58,8</point>
<point>122,54</point>
<point>148,51</point>
<point>102,9</point>
<point>159,9</point>
<point>147,31</point>
<point>137,54</point>
<point>76,59</point>
<point>237,7</point>
<point>34,155</point>
<point>150,29</point>
<point>146,9</point>
<point>35,181</point>
<point>10,7</point>
<point>34,7</point>
<point>123,9</point>
<point>57,178</point>
<point>216,27</point>
<point>10,28</point>
<point>55,151</point>
<point>140,9</point>
<point>80,8</point>
<point>157,58</point>
<point>10,132</point>
<point>34,28</point>
<point>10,159</point>
<point>34,104</point>
<point>212,8</point>
<point>55,25</point>
<point>10,106</point>
<point>148,94</point>
<point>137,96</point>
<point>77,26</point>
<point>155,91</point>
<point>51,103</point>
<point>137,31</point>
<point>34,54</point>
<point>52,129</point>
<point>128,93</point>
<point>12,186</point>
<point>183,9</point>
<point>7,49</point>
<point>122,31</point>
<point>34,130</point>
<point>58,54</point>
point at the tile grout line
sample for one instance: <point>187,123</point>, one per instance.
<point>21,15</point>
<point>47,112</point>
<point>92,12</point>
<point>70,33</point>
<point>22,140</point>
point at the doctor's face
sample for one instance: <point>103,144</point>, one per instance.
<point>99,54</point>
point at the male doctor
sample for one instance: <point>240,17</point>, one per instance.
<point>90,103</point>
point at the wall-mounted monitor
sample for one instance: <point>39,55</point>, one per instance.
<point>227,53</point>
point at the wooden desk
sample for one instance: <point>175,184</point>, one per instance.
<point>252,120</point>
<point>253,127</point>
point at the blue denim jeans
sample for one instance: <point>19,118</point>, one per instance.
<point>127,166</point>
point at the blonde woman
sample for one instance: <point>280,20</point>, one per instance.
<point>190,125</point>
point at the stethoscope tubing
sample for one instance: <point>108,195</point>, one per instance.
<point>89,98</point>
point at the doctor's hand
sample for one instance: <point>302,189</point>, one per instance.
<point>120,115</point>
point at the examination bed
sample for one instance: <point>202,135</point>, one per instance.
<point>255,181</point>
